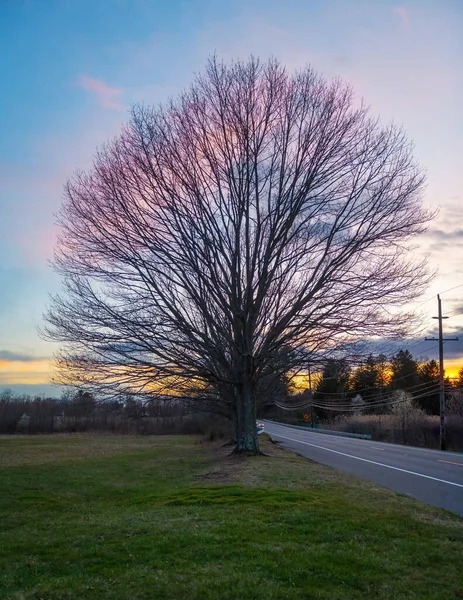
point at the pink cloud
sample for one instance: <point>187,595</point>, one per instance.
<point>106,96</point>
<point>403,14</point>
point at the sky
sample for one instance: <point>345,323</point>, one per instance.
<point>71,69</point>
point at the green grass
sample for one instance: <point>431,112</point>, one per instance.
<point>170,517</point>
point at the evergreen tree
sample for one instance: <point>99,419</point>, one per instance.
<point>365,379</point>
<point>333,385</point>
<point>404,370</point>
<point>460,378</point>
<point>428,373</point>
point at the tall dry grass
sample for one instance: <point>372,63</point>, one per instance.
<point>422,431</point>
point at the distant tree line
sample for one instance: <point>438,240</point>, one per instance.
<point>376,379</point>
<point>81,411</point>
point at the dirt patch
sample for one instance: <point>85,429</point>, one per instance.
<point>227,467</point>
<point>235,468</point>
<point>215,476</point>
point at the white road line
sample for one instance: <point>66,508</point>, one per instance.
<point>373,462</point>
<point>366,443</point>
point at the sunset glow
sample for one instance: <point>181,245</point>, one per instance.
<point>22,372</point>
<point>452,368</point>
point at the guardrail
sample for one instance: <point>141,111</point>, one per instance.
<point>363,436</point>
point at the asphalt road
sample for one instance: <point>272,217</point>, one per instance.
<point>432,476</point>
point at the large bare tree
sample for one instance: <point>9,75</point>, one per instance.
<point>258,217</point>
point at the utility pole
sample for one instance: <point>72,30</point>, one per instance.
<point>441,340</point>
<point>310,392</point>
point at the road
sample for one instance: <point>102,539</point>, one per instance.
<point>432,476</point>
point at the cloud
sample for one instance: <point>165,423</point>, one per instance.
<point>456,234</point>
<point>403,14</point>
<point>440,234</point>
<point>6,355</point>
<point>106,96</point>
<point>456,305</point>
<point>447,241</point>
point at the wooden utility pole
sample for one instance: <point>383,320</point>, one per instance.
<point>310,392</point>
<point>442,431</point>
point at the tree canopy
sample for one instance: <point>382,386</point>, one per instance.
<point>221,238</point>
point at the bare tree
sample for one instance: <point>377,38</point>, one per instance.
<point>256,215</point>
<point>407,413</point>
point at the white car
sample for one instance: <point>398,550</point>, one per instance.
<point>260,427</point>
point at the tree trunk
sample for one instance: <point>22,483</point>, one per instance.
<point>247,440</point>
<point>235,421</point>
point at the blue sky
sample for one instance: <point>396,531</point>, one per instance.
<point>72,68</point>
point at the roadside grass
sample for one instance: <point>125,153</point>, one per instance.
<point>129,517</point>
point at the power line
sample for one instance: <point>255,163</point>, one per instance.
<point>411,389</point>
<point>385,400</point>
<point>452,288</point>
<point>418,344</point>
<point>377,405</point>
<point>433,297</point>
<point>337,408</point>
<point>417,389</point>
<point>422,388</point>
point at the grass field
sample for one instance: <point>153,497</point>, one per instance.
<point>171,517</point>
